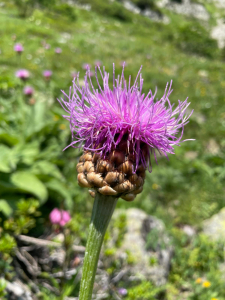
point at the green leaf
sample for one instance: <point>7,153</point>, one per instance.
<point>8,159</point>
<point>28,182</point>
<point>44,167</point>
<point>29,152</point>
<point>57,186</point>
<point>5,208</point>
<point>8,139</point>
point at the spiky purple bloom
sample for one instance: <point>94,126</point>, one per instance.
<point>101,118</point>
<point>28,90</point>
<point>23,74</point>
<point>18,48</point>
<point>47,74</point>
<point>58,50</point>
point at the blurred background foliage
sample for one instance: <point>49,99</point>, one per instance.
<point>36,175</point>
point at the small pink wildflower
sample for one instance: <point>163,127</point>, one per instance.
<point>65,218</point>
<point>60,217</point>
<point>28,90</point>
<point>23,74</point>
<point>47,46</point>
<point>47,74</point>
<point>58,50</point>
<point>55,216</point>
<point>18,48</point>
<point>122,291</point>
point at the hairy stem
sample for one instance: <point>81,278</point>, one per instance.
<point>102,212</point>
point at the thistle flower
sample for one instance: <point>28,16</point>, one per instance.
<point>60,217</point>
<point>120,129</point>
<point>86,66</point>
<point>58,50</point>
<point>28,90</point>
<point>47,74</point>
<point>18,48</point>
<point>73,74</point>
<point>98,63</point>
<point>23,74</point>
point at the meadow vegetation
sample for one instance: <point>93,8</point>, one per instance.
<point>36,175</point>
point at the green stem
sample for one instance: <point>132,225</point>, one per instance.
<point>102,212</point>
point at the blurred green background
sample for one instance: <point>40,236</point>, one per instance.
<point>37,176</point>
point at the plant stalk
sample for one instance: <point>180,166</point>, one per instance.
<point>102,212</point>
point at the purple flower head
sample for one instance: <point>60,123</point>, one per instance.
<point>86,66</point>
<point>60,217</point>
<point>122,291</point>
<point>58,50</point>
<point>103,118</point>
<point>47,46</point>
<point>28,90</point>
<point>18,48</point>
<point>23,74</point>
<point>73,74</point>
<point>123,63</point>
<point>98,63</point>
<point>47,74</point>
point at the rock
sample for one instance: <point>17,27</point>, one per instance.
<point>213,147</point>
<point>219,3</point>
<point>101,285</point>
<point>153,15</point>
<point>187,8</point>
<point>147,242</point>
<point>57,257</point>
<point>131,7</point>
<point>16,290</point>
<point>218,33</point>
<point>215,226</point>
<point>156,16</point>
<point>191,155</point>
<point>190,231</point>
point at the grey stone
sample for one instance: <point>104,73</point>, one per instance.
<point>218,33</point>
<point>16,290</point>
<point>152,258</point>
<point>215,226</point>
<point>187,8</point>
<point>190,231</point>
<point>131,7</point>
